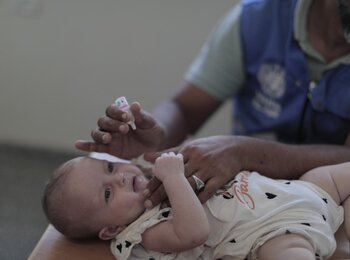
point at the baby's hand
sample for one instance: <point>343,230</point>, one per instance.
<point>168,164</point>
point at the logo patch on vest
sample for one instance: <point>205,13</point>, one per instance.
<point>271,78</point>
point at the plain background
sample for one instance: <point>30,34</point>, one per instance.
<point>63,61</point>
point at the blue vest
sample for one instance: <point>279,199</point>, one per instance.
<point>279,96</point>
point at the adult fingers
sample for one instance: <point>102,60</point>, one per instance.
<point>114,120</point>
<point>153,184</point>
<point>156,197</point>
<point>101,137</point>
<point>192,182</point>
<point>90,146</point>
<point>114,112</point>
<point>191,168</point>
<point>111,125</point>
<point>135,109</point>
<point>192,162</point>
<point>143,119</point>
<point>152,156</point>
<point>210,188</point>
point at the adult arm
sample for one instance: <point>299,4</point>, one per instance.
<point>184,113</point>
<point>217,159</point>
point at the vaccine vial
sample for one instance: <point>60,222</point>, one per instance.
<point>123,104</point>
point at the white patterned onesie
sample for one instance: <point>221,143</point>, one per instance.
<point>243,215</point>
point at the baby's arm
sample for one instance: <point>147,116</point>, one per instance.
<point>189,226</point>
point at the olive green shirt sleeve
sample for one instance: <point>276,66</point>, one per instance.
<point>218,69</point>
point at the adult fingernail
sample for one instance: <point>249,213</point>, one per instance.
<point>105,138</point>
<point>148,204</point>
<point>124,116</point>
<point>146,192</point>
<point>122,128</point>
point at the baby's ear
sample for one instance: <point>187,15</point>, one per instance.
<point>108,233</point>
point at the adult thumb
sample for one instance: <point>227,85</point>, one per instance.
<point>152,156</point>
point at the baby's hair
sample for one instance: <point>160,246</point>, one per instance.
<point>54,202</point>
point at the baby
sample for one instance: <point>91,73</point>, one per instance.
<point>252,216</point>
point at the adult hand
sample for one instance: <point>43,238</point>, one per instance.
<point>114,136</point>
<point>214,160</point>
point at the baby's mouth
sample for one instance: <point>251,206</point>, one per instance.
<point>134,183</point>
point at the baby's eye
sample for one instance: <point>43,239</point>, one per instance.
<point>110,167</point>
<point>107,194</point>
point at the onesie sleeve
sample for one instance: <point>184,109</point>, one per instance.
<point>124,242</point>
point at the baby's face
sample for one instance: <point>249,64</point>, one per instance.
<point>111,192</point>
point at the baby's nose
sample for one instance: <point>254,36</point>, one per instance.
<point>119,178</point>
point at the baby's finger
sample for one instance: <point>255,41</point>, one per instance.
<point>164,155</point>
<point>179,155</point>
<point>172,150</point>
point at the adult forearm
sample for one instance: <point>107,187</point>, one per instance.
<point>171,117</point>
<point>278,160</point>
<point>185,113</point>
